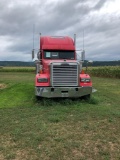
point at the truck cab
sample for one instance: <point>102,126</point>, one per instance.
<point>59,74</point>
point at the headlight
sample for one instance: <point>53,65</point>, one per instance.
<point>85,80</point>
<point>42,80</point>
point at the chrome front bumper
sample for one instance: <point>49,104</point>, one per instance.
<point>50,92</point>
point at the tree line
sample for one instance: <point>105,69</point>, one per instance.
<point>32,64</point>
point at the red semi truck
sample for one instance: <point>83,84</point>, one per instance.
<point>58,72</point>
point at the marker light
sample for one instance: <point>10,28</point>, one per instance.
<point>85,80</point>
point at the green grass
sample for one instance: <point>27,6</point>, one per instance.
<point>58,128</point>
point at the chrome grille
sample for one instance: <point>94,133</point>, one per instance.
<point>64,74</point>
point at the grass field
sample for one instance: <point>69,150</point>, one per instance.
<point>61,129</point>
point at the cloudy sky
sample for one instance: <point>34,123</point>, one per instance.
<point>99,19</point>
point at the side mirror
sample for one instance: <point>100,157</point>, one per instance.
<point>39,55</point>
<point>83,55</point>
<point>88,62</point>
<point>33,54</point>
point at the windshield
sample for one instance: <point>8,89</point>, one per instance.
<point>59,54</point>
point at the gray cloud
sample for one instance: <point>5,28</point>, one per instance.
<point>102,33</point>
<point>100,4</point>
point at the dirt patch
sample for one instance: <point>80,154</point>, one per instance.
<point>25,154</point>
<point>1,156</point>
<point>3,86</point>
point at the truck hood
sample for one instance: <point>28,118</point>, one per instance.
<point>47,62</point>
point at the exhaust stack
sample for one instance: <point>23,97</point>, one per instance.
<point>75,40</point>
